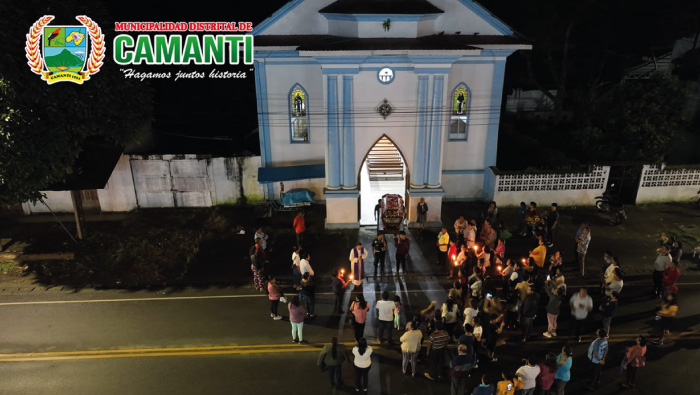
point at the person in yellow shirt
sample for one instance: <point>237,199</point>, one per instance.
<point>442,244</point>
<point>508,385</point>
<point>667,313</point>
<point>538,254</point>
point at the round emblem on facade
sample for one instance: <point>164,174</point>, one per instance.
<point>386,75</point>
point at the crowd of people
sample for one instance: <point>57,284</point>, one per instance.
<point>493,296</point>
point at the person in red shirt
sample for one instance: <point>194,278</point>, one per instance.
<point>670,277</point>
<point>299,227</point>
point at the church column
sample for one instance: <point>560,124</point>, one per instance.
<point>349,175</point>
<point>489,185</point>
<point>418,169</point>
<point>334,178</point>
<point>435,137</point>
<point>263,123</point>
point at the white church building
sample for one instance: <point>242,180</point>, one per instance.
<point>358,98</point>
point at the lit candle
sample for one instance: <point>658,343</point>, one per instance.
<point>524,260</point>
<point>499,268</point>
<point>454,257</point>
<point>476,248</point>
<point>351,277</point>
<point>342,271</point>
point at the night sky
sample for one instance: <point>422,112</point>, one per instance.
<point>218,108</point>
<point>623,31</point>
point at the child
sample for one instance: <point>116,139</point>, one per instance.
<point>398,310</point>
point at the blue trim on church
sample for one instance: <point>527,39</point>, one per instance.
<point>263,122</point>
<point>334,163</point>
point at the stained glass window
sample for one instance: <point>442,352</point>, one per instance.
<point>460,111</point>
<point>299,118</point>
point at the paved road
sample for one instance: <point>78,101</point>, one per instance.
<point>216,341</point>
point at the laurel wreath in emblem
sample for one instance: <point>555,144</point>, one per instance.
<point>33,48</point>
<point>97,53</point>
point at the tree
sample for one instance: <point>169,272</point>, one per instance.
<point>43,127</point>
<point>637,121</point>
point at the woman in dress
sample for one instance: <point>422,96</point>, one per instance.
<point>359,309</point>
<point>422,212</point>
<point>362,353</point>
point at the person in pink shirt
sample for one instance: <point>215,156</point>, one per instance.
<point>548,369</point>
<point>635,360</point>
<point>274,293</point>
<point>297,312</point>
<point>359,309</point>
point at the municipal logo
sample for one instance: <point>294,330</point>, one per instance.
<point>61,53</point>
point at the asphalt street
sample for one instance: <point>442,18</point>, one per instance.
<point>223,341</point>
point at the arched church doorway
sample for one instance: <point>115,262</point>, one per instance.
<point>383,172</point>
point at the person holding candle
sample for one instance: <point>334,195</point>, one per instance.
<point>470,235</point>
<point>452,257</point>
<point>357,263</point>
<point>338,285</point>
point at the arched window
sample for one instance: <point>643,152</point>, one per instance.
<point>299,116</point>
<point>459,117</point>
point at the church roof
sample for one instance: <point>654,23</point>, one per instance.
<point>381,7</point>
<point>337,43</point>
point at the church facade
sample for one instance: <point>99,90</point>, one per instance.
<point>342,85</point>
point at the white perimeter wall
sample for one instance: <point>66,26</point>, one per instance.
<point>680,185</point>
<point>168,181</point>
<point>569,189</point>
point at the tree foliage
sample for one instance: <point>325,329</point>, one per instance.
<point>43,127</point>
<point>637,121</point>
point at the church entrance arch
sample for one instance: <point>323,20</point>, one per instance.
<point>383,171</point>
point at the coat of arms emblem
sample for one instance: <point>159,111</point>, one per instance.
<point>60,53</point>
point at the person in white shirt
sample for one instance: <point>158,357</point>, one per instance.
<point>528,375</point>
<point>581,304</point>
<point>470,235</point>
<point>460,226</point>
<point>616,284</point>
<point>296,271</point>
<point>260,234</point>
<point>663,260</point>
<point>362,361</point>
<point>471,311</point>
<point>304,266</point>
<point>385,310</point>
<point>410,347</point>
